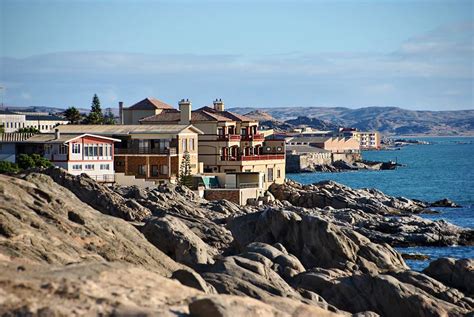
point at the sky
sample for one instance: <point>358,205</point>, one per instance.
<point>410,54</point>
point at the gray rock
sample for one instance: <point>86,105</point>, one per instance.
<point>194,280</point>
<point>455,273</point>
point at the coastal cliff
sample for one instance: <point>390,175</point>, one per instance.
<point>71,246</point>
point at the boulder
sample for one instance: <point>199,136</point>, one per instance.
<point>315,241</point>
<point>175,239</point>
<point>454,273</point>
<point>194,280</point>
<point>445,202</point>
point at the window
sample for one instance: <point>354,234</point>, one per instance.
<point>62,149</point>
<point>104,167</point>
<point>77,167</point>
<point>191,145</point>
<point>270,174</point>
<point>94,150</point>
<point>89,167</point>
<point>164,169</point>
<point>76,148</point>
<point>243,131</point>
<point>47,149</point>
<point>141,170</point>
<point>101,150</point>
<point>185,144</point>
<point>154,170</point>
<point>278,173</point>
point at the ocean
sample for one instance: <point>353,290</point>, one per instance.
<point>442,169</point>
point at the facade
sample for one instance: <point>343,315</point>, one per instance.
<point>331,144</point>
<point>367,140</point>
<point>230,142</point>
<point>13,121</point>
<point>142,109</point>
<point>77,153</point>
<point>150,152</point>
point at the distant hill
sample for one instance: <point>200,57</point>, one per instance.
<point>388,120</point>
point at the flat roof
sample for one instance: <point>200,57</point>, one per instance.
<point>119,129</point>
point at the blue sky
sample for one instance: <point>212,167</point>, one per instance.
<point>412,54</point>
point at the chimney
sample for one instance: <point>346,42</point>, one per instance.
<point>218,105</point>
<point>185,111</point>
<point>121,112</point>
<point>57,134</point>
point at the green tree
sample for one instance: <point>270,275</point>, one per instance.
<point>73,115</point>
<point>26,161</point>
<point>2,128</point>
<point>185,177</point>
<point>8,167</point>
<point>95,115</point>
<point>109,117</point>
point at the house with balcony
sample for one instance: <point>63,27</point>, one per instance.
<point>230,142</point>
<point>153,153</point>
<point>368,140</point>
<point>77,153</point>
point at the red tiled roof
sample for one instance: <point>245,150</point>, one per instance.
<point>150,104</point>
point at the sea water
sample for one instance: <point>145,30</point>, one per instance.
<point>442,169</point>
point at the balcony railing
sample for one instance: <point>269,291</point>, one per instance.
<point>170,151</point>
<point>253,137</point>
<point>261,157</point>
<point>106,178</point>
<point>229,137</point>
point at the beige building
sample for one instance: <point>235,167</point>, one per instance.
<point>331,144</point>
<point>230,142</point>
<point>142,109</point>
<point>367,140</point>
<point>151,152</point>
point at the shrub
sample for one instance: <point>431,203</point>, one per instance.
<point>26,161</point>
<point>8,167</point>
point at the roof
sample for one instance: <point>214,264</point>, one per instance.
<point>306,139</point>
<point>63,138</point>
<point>44,117</point>
<point>305,149</point>
<point>201,114</point>
<point>150,104</point>
<point>127,129</point>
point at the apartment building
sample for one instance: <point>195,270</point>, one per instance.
<point>367,140</point>
<point>43,122</point>
<point>230,142</point>
<point>151,152</point>
<point>142,109</point>
<point>76,153</point>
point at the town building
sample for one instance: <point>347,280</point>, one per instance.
<point>12,121</point>
<point>331,144</point>
<point>142,109</point>
<point>155,153</point>
<point>230,142</point>
<point>76,153</point>
<point>367,140</point>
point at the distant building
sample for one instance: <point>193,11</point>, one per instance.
<point>149,152</point>
<point>331,144</point>
<point>13,121</point>
<point>77,153</point>
<point>142,109</point>
<point>230,142</point>
<point>367,140</point>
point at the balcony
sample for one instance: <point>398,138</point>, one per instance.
<point>229,137</point>
<point>261,157</point>
<point>122,151</point>
<point>253,137</point>
<point>106,178</point>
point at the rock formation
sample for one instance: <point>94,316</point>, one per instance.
<point>71,246</point>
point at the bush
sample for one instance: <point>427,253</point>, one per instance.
<point>8,167</point>
<point>26,161</point>
<point>28,130</point>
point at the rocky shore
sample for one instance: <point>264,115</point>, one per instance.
<point>341,166</point>
<point>72,247</point>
